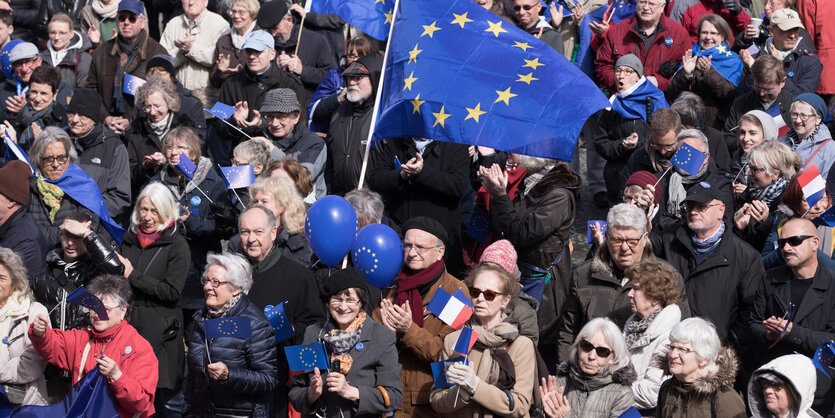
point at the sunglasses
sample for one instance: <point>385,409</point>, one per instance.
<point>526,7</point>
<point>766,383</point>
<point>601,351</point>
<point>127,16</point>
<point>489,295</point>
<point>793,241</point>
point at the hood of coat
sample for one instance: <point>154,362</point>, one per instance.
<point>560,176</point>
<point>722,373</point>
<point>795,369</point>
<point>660,326</point>
<point>374,63</point>
<point>623,376</point>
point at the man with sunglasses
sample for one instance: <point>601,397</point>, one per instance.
<point>721,272</point>
<point>25,59</point>
<point>528,18</point>
<point>127,53</point>
<point>793,309</point>
<point>420,334</point>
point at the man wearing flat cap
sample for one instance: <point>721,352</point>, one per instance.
<point>289,138</point>
<point>420,334</point>
<point>101,153</point>
<point>18,231</point>
<point>127,53</point>
<point>315,56</point>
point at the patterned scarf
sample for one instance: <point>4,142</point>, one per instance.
<point>146,238</point>
<point>27,118</point>
<point>701,247</point>
<point>770,193</point>
<point>341,342</point>
<point>637,328</point>
<point>51,196</point>
<point>796,141</point>
<point>677,192</point>
<point>219,313</point>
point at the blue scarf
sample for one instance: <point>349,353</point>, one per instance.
<point>78,185</point>
<point>725,62</point>
<point>701,247</point>
<point>632,104</point>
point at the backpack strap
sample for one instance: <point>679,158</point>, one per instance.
<point>713,404</point>
<point>808,160</point>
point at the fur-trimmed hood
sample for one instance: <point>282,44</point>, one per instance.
<point>720,374</point>
<point>623,376</point>
<point>602,264</point>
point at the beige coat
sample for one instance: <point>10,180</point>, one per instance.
<point>24,366</point>
<point>490,397</point>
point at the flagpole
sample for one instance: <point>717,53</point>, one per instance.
<point>233,126</point>
<point>662,176</point>
<point>239,199</point>
<point>301,26</point>
<point>191,181</point>
<point>379,96</point>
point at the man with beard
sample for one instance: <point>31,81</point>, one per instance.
<point>527,14</point>
<point>348,130</point>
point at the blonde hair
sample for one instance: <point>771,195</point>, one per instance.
<point>285,193</point>
<point>775,156</point>
<point>17,273</point>
<point>162,199</point>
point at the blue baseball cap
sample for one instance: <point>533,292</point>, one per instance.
<point>132,6</point>
<point>258,40</point>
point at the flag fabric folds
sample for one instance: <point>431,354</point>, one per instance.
<point>632,104</point>
<point>454,310</point>
<point>725,62</point>
<point>774,112</point>
<point>456,72</point>
<point>186,165</point>
<point>238,176</point>
<point>439,371</point>
<point>131,83</point>
<point>615,13</point>
<point>479,226</point>
<point>465,341</point>
<point>89,398</point>
<point>689,159</point>
<point>823,357</point>
<point>371,16</point>
<point>304,358</point>
<point>278,319</point>
<point>79,186</point>
<point>14,152</point>
<point>233,326</point>
<point>86,299</point>
<point>221,110</point>
<point>812,184</point>
<point>827,218</point>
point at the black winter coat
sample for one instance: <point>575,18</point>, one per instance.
<point>159,273</point>
<point>141,140</point>
<point>103,156</point>
<point>21,234</point>
<point>26,19</point>
<point>316,56</point>
<point>609,133</point>
<point>716,92</point>
<point>251,363</point>
<point>308,149</point>
<point>50,231</point>
<point>803,71</point>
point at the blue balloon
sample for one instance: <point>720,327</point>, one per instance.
<point>378,254</point>
<point>330,228</point>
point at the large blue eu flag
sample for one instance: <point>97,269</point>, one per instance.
<point>371,16</point>
<point>89,397</point>
<point>456,72</point>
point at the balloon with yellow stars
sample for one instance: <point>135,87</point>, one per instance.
<point>378,254</point>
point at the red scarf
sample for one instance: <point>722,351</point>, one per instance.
<point>146,238</point>
<point>407,288</point>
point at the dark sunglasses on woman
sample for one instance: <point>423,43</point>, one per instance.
<point>601,351</point>
<point>489,295</point>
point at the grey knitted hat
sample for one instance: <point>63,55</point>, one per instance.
<point>631,61</point>
<point>280,101</point>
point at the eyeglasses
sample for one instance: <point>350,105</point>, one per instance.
<point>669,147</point>
<point>802,116</point>
<point>130,17</point>
<point>766,383</point>
<point>631,242</point>
<point>793,241</point>
<point>601,351</point>
<point>489,295</point>
<point>336,302</point>
<point>235,12</point>
<point>764,90</point>
<point>149,107</point>
<point>699,207</point>
<point>624,71</point>
<point>22,62</point>
<point>754,169</point>
<point>61,159</point>
<point>681,350</point>
<point>407,248</point>
<point>525,6</point>
<point>215,282</point>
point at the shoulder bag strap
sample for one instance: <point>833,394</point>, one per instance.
<point>808,160</point>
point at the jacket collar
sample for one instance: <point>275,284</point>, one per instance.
<point>716,259</point>
<point>720,374</point>
<point>813,298</point>
<point>666,319</point>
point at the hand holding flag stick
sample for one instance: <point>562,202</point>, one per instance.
<point>222,112</point>
<point>187,167</point>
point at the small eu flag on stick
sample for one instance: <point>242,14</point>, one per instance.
<point>823,357</point>
<point>278,319</point>
<point>234,327</point>
<point>238,176</point>
<point>304,358</point>
<point>221,110</point>
<point>131,83</point>
<point>86,299</point>
<point>689,159</point>
<point>186,165</point>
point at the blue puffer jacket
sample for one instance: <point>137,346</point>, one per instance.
<point>251,363</point>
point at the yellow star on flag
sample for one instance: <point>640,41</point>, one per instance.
<point>430,30</point>
<point>461,19</point>
<point>505,96</point>
<point>414,53</point>
<point>440,117</point>
<point>522,45</point>
<point>496,28</point>
<point>721,48</point>
<point>388,18</point>
<point>416,102</point>
<point>409,81</point>
<point>380,1</point>
<point>475,112</point>
<point>534,63</point>
<point>527,78</point>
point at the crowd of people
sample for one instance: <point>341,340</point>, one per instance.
<point>706,292</point>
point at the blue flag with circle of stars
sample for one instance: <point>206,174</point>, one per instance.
<point>5,61</point>
<point>688,159</point>
<point>823,357</point>
<point>826,219</point>
<point>221,110</point>
<point>186,165</point>
<point>86,299</point>
<point>238,176</point>
<point>278,319</point>
<point>131,83</point>
<point>726,63</point>
<point>456,72</point>
<point>371,16</point>
<point>304,358</point>
<point>233,326</point>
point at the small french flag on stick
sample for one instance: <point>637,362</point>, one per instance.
<point>465,341</point>
<point>813,185</point>
<point>782,128</point>
<point>453,309</point>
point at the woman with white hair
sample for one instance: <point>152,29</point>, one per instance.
<point>703,374</point>
<point>157,259</point>
<point>596,382</point>
<point>230,376</point>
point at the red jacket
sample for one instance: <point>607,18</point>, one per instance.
<point>623,38</point>
<point>815,14</point>
<point>691,18</point>
<point>134,391</point>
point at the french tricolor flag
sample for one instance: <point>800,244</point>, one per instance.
<point>813,185</point>
<point>465,341</point>
<point>453,309</point>
<point>782,128</point>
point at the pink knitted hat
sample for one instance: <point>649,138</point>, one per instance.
<point>502,253</point>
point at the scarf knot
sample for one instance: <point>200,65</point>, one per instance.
<point>51,195</point>
<point>637,328</point>
<point>701,247</point>
<point>223,310</point>
<point>410,284</point>
<point>341,342</point>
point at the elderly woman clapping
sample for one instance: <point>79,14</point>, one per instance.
<point>703,374</point>
<point>230,376</point>
<point>596,381</point>
<point>808,136</point>
<point>113,345</point>
<point>654,299</point>
<point>21,368</point>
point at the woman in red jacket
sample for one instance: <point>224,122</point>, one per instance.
<point>113,345</point>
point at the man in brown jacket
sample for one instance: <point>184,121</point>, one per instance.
<point>420,334</point>
<point>126,53</point>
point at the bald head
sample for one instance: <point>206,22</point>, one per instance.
<point>799,245</point>
<point>799,226</point>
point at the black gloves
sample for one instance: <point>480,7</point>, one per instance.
<point>732,6</point>
<point>668,69</point>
